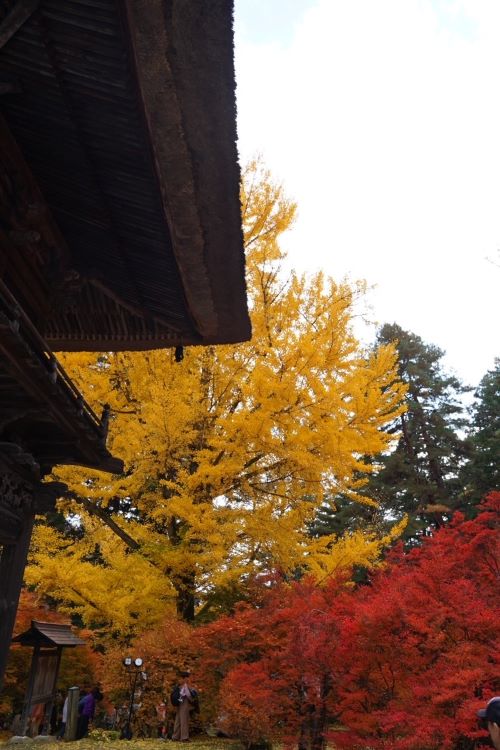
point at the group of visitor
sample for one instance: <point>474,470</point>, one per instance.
<point>184,698</point>
<point>86,711</point>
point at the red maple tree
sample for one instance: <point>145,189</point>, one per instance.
<point>270,668</point>
<point>421,644</point>
<point>401,663</point>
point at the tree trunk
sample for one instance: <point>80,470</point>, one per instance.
<point>185,588</point>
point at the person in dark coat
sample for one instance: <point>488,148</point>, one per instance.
<point>184,698</point>
<point>491,717</point>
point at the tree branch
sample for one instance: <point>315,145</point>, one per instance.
<point>95,510</point>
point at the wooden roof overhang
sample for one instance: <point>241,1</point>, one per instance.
<point>124,111</point>
<point>48,634</point>
<point>44,420</point>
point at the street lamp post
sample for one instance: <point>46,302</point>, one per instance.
<point>133,668</point>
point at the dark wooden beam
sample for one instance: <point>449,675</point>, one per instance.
<point>13,21</point>
<point>46,495</point>
<point>11,524</point>
<point>12,563</point>
<point>9,87</point>
<point>24,361</point>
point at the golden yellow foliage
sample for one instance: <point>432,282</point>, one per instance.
<point>329,554</point>
<point>229,452</point>
<point>115,597</point>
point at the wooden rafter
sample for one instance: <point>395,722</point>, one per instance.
<point>17,16</point>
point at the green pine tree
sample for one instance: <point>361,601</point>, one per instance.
<point>420,478</point>
<point>481,474</point>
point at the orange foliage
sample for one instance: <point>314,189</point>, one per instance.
<point>165,651</point>
<point>78,665</point>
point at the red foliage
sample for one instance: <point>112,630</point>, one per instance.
<point>269,669</point>
<point>403,662</point>
<point>421,644</point>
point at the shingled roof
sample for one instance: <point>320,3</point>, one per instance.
<point>124,111</point>
<point>48,634</point>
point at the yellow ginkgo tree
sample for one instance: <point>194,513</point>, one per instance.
<point>228,453</point>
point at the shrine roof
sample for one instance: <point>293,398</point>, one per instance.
<point>48,633</point>
<point>125,115</point>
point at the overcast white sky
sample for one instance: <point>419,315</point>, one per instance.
<point>382,119</point>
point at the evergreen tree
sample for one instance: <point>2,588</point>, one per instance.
<point>420,478</point>
<point>340,514</point>
<point>481,474</point>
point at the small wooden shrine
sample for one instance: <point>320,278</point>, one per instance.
<point>120,224</point>
<point>48,640</point>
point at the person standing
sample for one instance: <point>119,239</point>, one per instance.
<point>491,715</point>
<point>161,719</point>
<point>62,728</point>
<point>87,712</point>
<point>184,698</point>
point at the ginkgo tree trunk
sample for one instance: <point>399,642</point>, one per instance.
<point>229,452</point>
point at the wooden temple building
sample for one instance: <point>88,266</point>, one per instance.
<point>120,225</point>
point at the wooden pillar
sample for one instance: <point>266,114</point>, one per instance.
<point>12,564</point>
<point>72,716</point>
<point>21,498</point>
<point>50,704</point>
<point>29,692</point>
